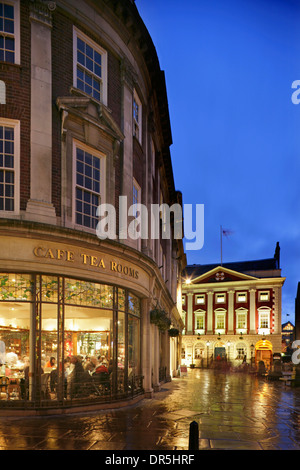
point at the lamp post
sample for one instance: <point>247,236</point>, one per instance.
<point>251,352</point>
<point>207,351</point>
<point>228,345</point>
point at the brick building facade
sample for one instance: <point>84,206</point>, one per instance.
<point>232,311</point>
<point>83,120</point>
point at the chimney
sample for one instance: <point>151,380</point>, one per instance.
<point>277,255</point>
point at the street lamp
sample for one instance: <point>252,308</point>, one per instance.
<point>207,351</point>
<point>228,344</point>
<point>251,351</point>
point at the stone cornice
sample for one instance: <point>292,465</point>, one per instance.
<point>42,12</point>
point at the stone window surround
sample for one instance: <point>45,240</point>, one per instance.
<point>16,125</point>
<point>96,153</point>
<point>77,33</point>
<point>17,34</point>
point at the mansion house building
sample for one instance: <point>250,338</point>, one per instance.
<point>84,121</point>
<point>232,311</point>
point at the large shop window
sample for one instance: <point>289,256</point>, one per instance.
<point>64,339</point>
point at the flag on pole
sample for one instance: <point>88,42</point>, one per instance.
<point>226,233</point>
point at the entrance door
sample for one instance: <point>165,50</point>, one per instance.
<point>264,355</point>
<point>220,352</point>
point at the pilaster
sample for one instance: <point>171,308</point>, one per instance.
<point>209,312</point>
<point>252,311</point>
<point>40,207</point>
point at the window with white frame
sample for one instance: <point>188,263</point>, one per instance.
<point>199,321</point>
<point>200,299</point>
<point>89,184</point>
<point>9,165</point>
<point>220,298</point>
<point>264,295</point>
<point>220,321</point>
<point>241,320</point>
<point>264,320</point>
<point>10,31</point>
<point>241,296</point>
<point>90,67</point>
<point>137,117</point>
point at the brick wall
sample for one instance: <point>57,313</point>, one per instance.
<point>17,80</point>
<point>62,64</point>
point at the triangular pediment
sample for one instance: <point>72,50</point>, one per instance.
<point>88,110</point>
<point>221,274</point>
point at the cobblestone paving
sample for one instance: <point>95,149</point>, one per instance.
<point>234,411</point>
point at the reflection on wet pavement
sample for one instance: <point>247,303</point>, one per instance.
<point>234,411</point>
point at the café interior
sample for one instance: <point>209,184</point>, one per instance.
<point>65,340</point>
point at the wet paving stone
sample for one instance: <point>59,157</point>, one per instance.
<point>233,412</point>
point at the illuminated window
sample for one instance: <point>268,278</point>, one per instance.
<point>220,321</point>
<point>9,32</point>
<point>90,67</point>
<point>199,322</point>
<point>220,298</point>
<point>264,320</point>
<point>241,321</point>
<point>264,296</point>
<point>242,296</point>
<point>200,299</point>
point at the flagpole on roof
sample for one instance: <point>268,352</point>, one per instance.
<point>221,235</point>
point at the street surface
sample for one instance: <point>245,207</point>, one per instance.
<point>234,411</point>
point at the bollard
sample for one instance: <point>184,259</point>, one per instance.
<point>194,436</point>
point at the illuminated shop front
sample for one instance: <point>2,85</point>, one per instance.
<point>70,321</point>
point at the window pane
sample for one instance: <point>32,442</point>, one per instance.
<point>89,52</point>
<point>88,176</point>
<point>81,58</point>
<point>89,58</point>
<point>9,26</point>
<point>8,11</point>
<point>10,44</point>
<point>10,57</point>
<point>9,205</point>
<point>80,45</point>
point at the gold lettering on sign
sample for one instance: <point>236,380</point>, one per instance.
<point>119,268</point>
<point>94,261</point>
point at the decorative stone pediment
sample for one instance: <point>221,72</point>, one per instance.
<point>88,111</point>
<point>221,274</point>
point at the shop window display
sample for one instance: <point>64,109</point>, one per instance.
<point>57,335</point>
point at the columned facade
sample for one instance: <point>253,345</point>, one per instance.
<point>232,312</point>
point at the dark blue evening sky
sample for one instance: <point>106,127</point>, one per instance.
<point>229,67</point>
